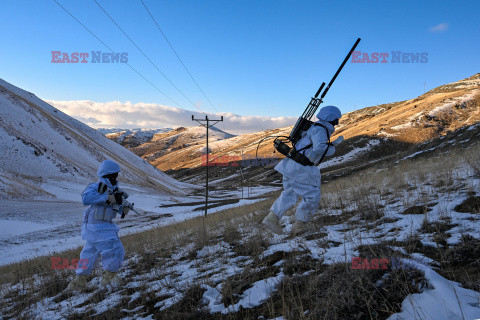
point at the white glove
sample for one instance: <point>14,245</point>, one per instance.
<point>337,141</point>
<point>115,198</point>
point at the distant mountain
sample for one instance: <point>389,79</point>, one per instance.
<point>39,143</point>
<point>178,140</point>
<point>131,138</point>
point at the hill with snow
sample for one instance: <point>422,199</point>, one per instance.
<point>131,138</point>
<point>159,150</point>
<point>396,242</point>
<point>431,115</point>
<point>39,144</point>
<point>383,133</point>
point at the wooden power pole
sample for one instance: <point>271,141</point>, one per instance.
<point>207,125</point>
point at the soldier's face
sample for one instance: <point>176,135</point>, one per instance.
<point>112,178</point>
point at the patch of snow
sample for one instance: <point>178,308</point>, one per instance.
<point>419,152</point>
<point>446,301</point>
<point>10,228</point>
<point>350,155</point>
<point>447,106</point>
<point>259,292</point>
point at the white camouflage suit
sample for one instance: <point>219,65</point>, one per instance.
<point>101,236</point>
<point>304,181</point>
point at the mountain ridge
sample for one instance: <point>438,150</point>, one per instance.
<point>414,121</point>
<point>40,142</point>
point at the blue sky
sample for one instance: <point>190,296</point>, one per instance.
<point>253,58</point>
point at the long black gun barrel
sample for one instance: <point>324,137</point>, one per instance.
<point>304,121</point>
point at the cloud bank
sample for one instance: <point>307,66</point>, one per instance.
<point>125,115</point>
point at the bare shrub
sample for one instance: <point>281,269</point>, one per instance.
<point>231,234</point>
<point>252,246</point>
<point>467,251</point>
<point>369,206</point>
<point>471,205</point>
<point>338,292</point>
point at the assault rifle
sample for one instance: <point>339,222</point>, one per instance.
<point>117,207</point>
<point>304,122</point>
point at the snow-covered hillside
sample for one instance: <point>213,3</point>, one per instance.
<point>39,143</point>
<point>46,160</point>
<point>179,140</point>
<point>106,131</point>
<point>131,138</point>
<point>399,242</point>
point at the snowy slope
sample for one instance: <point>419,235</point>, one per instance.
<point>187,141</point>
<point>131,138</point>
<point>39,143</point>
<point>241,271</point>
<point>106,131</point>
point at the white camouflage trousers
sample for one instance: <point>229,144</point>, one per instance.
<point>292,190</point>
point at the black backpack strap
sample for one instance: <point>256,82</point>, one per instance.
<point>305,148</point>
<point>328,143</point>
<point>325,153</point>
<point>311,144</point>
<point>321,125</point>
<point>301,158</point>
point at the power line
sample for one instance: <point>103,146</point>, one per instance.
<point>100,40</point>
<point>183,64</point>
<point>207,126</point>
<point>176,54</point>
<point>144,54</point>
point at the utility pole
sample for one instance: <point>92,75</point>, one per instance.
<point>207,125</point>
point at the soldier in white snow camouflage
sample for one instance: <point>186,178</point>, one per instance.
<point>301,180</point>
<point>98,230</point>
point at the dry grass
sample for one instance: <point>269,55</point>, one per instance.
<point>461,262</point>
<point>466,252</point>
<point>472,157</point>
<point>471,205</point>
<point>148,246</point>
<point>325,291</point>
<point>338,292</point>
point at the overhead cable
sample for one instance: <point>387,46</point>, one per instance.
<point>145,55</point>
<point>100,40</point>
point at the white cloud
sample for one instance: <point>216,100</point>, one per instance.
<point>125,115</point>
<point>442,27</point>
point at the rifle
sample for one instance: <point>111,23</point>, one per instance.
<point>303,123</point>
<point>118,207</point>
